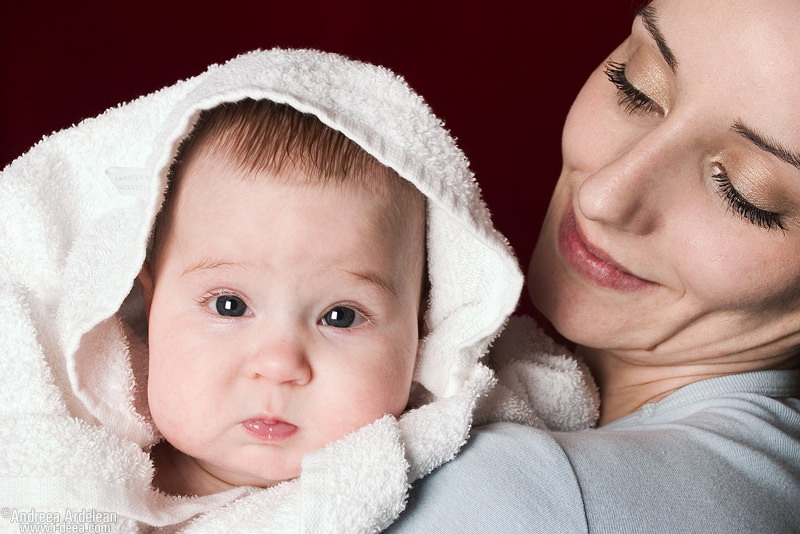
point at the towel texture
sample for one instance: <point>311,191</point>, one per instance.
<point>539,382</point>
<point>78,213</point>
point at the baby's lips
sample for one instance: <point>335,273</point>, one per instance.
<point>271,430</point>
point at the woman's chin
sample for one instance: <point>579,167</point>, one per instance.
<point>576,313</point>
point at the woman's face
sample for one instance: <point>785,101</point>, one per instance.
<point>674,230</point>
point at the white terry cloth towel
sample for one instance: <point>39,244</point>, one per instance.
<point>539,382</point>
<point>78,210</point>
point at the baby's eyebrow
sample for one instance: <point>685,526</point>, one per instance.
<point>372,277</point>
<point>375,279</point>
<point>206,264</point>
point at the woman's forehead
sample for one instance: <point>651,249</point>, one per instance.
<point>741,56</point>
<point>747,33</point>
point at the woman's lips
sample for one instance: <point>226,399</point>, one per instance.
<point>269,429</point>
<point>591,262</point>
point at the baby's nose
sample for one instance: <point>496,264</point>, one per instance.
<point>281,361</point>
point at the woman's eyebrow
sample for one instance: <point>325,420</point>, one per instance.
<point>767,144</point>
<point>650,21</point>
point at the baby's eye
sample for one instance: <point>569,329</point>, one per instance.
<point>342,317</point>
<point>229,306</point>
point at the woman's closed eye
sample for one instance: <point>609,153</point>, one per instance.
<point>768,220</point>
<point>633,100</point>
<point>343,317</point>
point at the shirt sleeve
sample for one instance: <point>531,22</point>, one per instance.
<point>507,478</point>
<point>732,467</point>
<point>718,466</point>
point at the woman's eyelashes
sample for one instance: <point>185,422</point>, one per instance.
<point>743,207</point>
<point>634,100</point>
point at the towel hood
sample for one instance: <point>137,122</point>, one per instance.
<point>77,231</point>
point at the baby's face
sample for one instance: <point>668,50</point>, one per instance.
<point>283,317</point>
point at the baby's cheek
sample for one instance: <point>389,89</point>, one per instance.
<point>159,397</point>
<point>368,395</point>
<point>167,382</point>
<point>389,391</point>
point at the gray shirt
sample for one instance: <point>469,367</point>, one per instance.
<point>718,456</point>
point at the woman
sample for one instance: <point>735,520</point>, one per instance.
<point>671,256</point>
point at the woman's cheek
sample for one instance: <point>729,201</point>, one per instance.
<point>722,276</point>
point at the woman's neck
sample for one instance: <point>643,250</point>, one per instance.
<point>626,384</point>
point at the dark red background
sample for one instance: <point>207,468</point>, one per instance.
<point>500,74</point>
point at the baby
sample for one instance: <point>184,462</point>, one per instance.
<point>318,214</point>
<point>283,297</point>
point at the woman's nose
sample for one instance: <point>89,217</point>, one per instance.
<point>281,359</point>
<point>625,192</point>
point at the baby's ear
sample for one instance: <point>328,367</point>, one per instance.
<point>145,281</point>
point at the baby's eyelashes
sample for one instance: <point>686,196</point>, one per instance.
<point>342,317</point>
<point>225,304</point>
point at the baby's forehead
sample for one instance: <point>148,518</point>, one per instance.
<point>228,215</point>
<point>388,201</point>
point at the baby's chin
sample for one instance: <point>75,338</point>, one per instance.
<point>179,473</point>
<point>227,476</point>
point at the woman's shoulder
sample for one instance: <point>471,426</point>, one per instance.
<point>507,478</point>
<point>719,457</point>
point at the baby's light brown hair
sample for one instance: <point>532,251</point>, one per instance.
<point>264,136</point>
